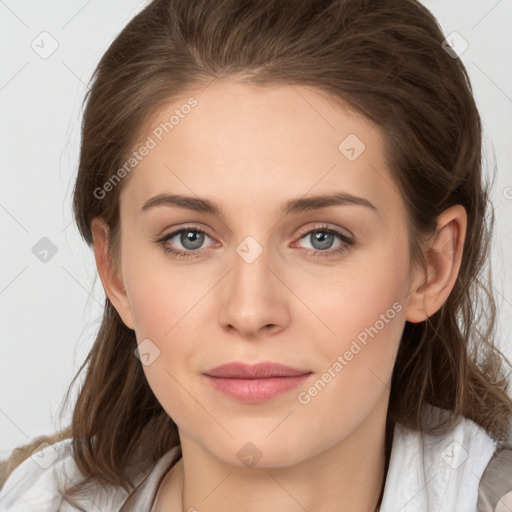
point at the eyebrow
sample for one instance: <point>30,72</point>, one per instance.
<point>291,206</point>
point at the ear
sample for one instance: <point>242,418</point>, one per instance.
<point>111,278</point>
<point>443,256</point>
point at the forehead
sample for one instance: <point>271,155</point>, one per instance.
<point>256,143</point>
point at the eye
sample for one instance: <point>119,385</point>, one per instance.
<point>322,238</point>
<point>191,238</point>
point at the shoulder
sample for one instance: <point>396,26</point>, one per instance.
<point>34,484</point>
<point>495,489</point>
<point>38,482</point>
<point>441,472</point>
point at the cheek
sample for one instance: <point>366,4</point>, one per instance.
<point>363,299</point>
<point>365,314</point>
<point>167,304</point>
<point>153,309</point>
<point>159,293</point>
<point>165,319</point>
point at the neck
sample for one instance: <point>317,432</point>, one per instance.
<point>349,476</point>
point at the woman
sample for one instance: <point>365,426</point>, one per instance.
<point>288,216</point>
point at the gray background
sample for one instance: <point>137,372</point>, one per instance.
<point>50,311</point>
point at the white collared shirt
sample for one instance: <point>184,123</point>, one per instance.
<point>426,473</point>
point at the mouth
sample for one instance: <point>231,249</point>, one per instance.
<point>264,370</point>
<point>255,383</point>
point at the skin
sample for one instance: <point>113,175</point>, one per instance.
<point>251,149</point>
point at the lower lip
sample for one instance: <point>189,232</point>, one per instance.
<point>256,390</point>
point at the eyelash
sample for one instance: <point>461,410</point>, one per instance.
<point>347,242</point>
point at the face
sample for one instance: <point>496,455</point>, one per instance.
<point>322,288</point>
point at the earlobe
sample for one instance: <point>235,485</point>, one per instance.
<point>111,277</point>
<point>443,256</point>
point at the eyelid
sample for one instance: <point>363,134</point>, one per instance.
<point>188,227</point>
<point>325,225</point>
<point>304,231</point>
<point>200,227</point>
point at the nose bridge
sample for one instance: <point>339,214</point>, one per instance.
<point>250,275</point>
<point>251,298</point>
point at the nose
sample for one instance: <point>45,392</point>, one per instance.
<point>253,299</point>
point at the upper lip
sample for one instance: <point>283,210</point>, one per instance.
<point>265,370</point>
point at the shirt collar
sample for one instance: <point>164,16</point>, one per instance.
<point>426,471</point>
<point>143,496</point>
<point>436,472</point>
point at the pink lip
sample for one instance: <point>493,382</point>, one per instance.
<point>265,370</point>
<point>255,383</point>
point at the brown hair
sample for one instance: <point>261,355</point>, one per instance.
<point>385,59</point>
